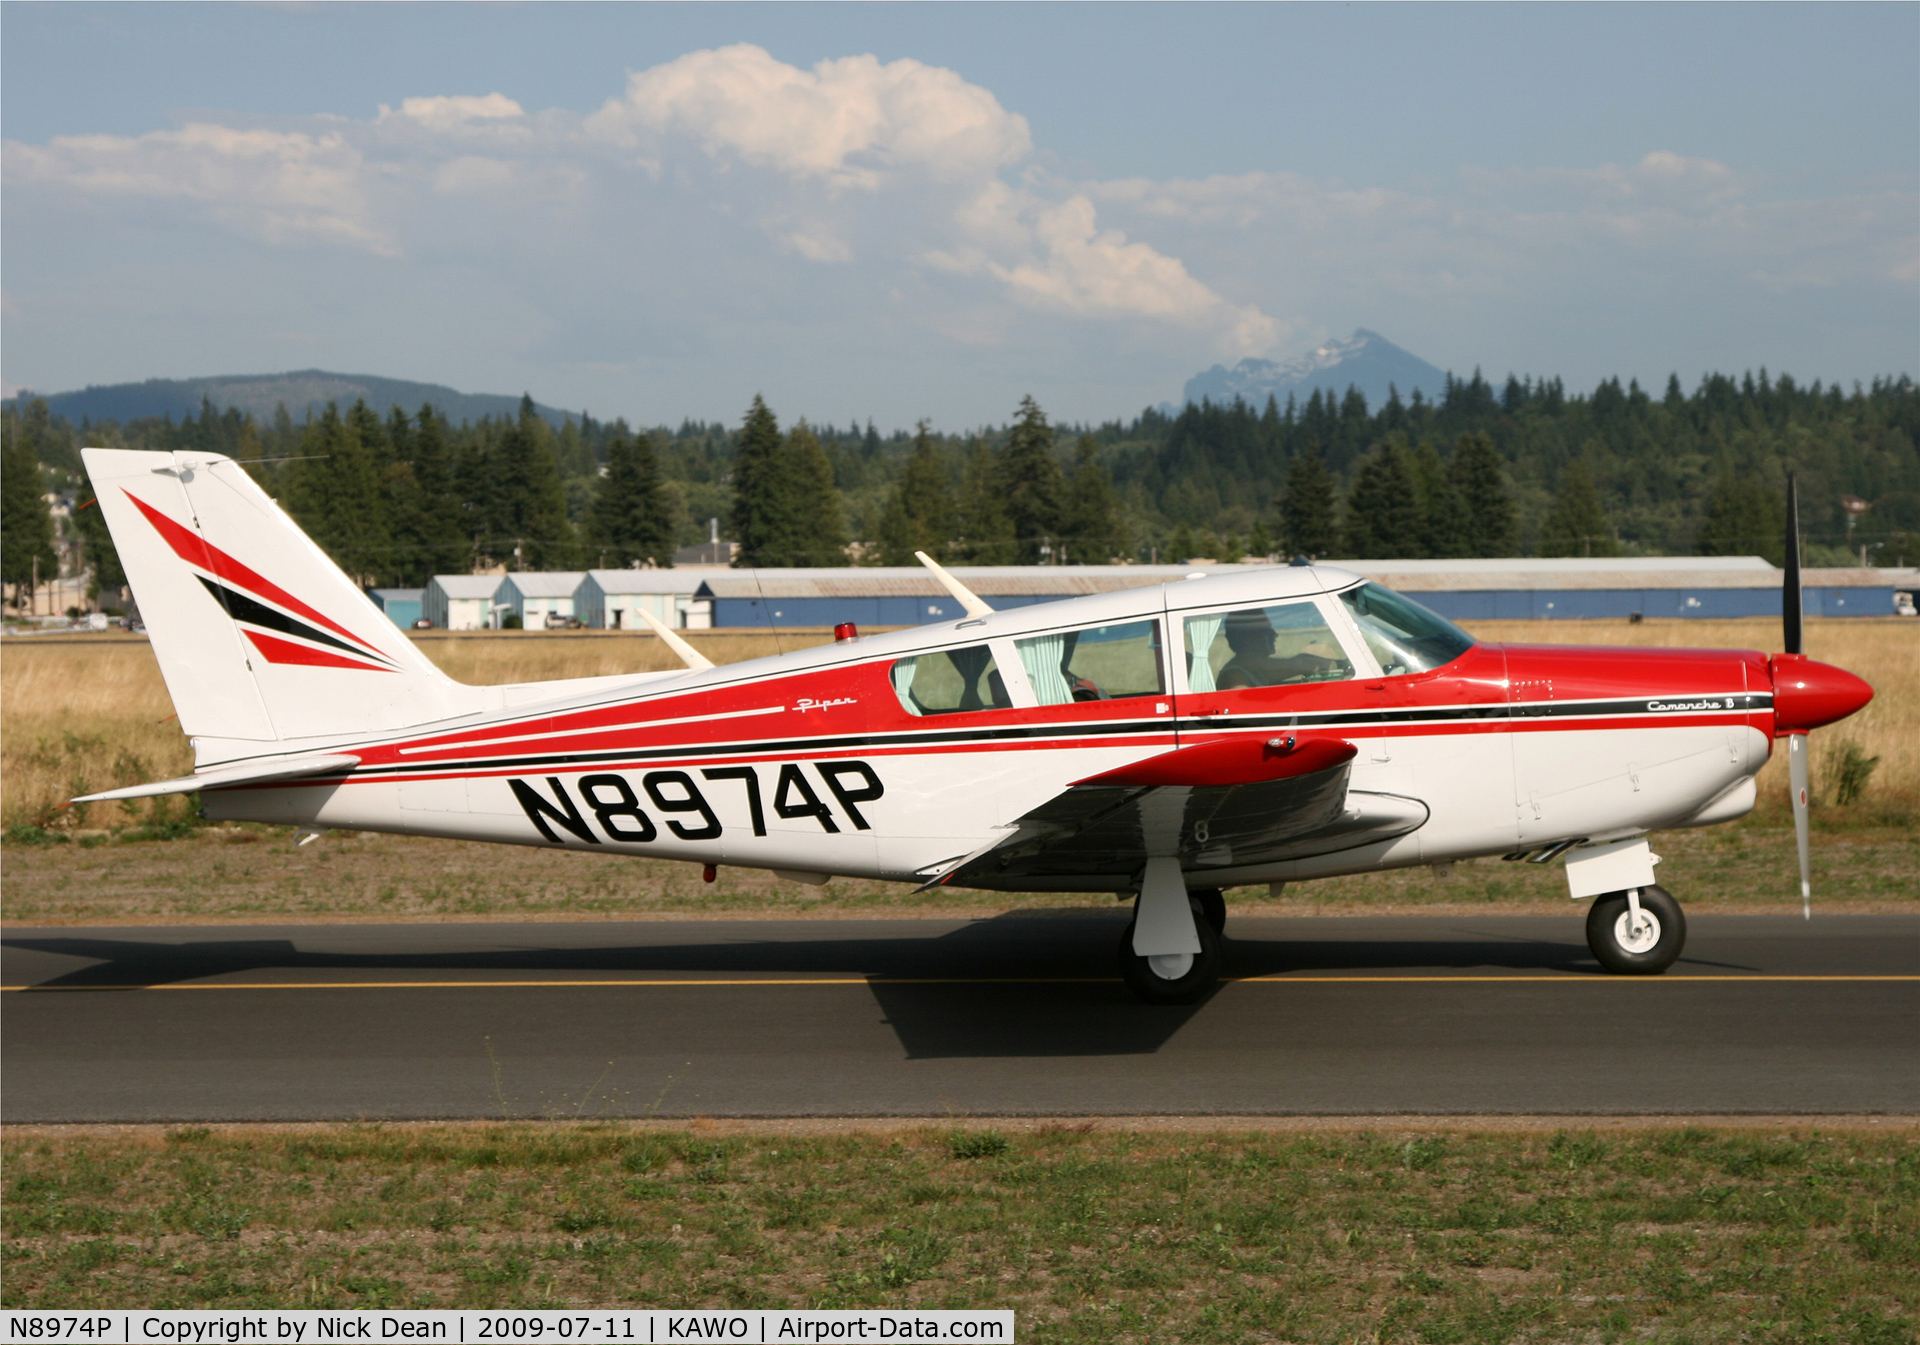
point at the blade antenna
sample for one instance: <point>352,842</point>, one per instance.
<point>690,656</point>
<point>969,601</point>
<point>1791,606</point>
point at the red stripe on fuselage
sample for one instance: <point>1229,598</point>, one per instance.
<point>197,550</point>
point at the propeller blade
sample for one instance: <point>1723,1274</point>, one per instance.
<point>1797,777</point>
<point>1790,602</point>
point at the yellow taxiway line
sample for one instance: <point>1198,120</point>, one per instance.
<point>689,982</point>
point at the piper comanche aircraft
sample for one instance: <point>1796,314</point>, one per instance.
<point>1163,743</point>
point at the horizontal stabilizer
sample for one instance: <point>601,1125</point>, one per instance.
<point>287,768</point>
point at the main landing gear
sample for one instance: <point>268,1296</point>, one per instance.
<point>1178,978</point>
<point>1638,932</point>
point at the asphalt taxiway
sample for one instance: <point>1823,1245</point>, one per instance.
<point>1022,1014</point>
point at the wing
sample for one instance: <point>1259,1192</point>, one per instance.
<point>1223,804</point>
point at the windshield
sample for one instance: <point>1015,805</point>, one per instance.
<point>1404,636</point>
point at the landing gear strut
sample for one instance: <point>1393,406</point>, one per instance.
<point>1638,932</point>
<point>1177,978</point>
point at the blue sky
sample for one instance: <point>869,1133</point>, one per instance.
<point>896,211</point>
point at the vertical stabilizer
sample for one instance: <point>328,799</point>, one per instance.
<point>262,639</point>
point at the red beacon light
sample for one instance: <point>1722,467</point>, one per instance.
<point>845,633</point>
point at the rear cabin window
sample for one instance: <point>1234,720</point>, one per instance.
<point>1402,634</point>
<point>1263,647</point>
<point>950,681</point>
<point>1103,663</point>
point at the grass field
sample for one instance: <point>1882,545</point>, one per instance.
<point>82,716</point>
<point>1405,1233</point>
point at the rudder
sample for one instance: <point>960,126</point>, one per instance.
<point>260,637</point>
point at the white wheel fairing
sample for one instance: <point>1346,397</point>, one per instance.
<point>1642,940</point>
<point>1171,966</point>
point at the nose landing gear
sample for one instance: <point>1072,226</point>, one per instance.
<point>1638,932</point>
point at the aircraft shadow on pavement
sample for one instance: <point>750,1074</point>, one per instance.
<point>1025,983</point>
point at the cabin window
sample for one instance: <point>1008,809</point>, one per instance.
<point>1404,636</point>
<point>1104,663</point>
<point>950,681</point>
<point>1263,647</point>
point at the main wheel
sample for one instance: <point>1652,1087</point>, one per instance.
<point>1173,978</point>
<point>1646,950</point>
<point>1212,906</point>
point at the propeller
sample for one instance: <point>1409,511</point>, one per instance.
<point>1792,611</point>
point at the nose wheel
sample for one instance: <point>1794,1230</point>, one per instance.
<point>1639,932</point>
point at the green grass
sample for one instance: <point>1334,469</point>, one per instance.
<point>1090,1234</point>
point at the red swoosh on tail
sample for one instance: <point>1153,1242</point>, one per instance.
<point>196,550</point>
<point>276,650</point>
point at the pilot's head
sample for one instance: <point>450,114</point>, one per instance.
<point>1249,633</point>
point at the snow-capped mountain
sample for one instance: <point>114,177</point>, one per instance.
<point>1365,360</point>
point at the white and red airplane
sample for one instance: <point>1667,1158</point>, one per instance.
<point>1165,743</point>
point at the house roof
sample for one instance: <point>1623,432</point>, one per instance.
<point>539,584</point>
<point>647,581</point>
<point>466,585</point>
<point>1411,576</point>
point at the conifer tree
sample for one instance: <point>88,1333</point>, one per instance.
<point>1443,514</point>
<point>1577,524</point>
<point>26,524</point>
<point>1258,542</point>
<point>816,520</point>
<point>1182,546</point>
<point>1032,484</point>
<point>631,521</point>
<point>1090,530</point>
<point>533,499</point>
<point>441,542</point>
<point>986,532</point>
<point>1481,478</point>
<point>760,519</point>
<point>1383,518</point>
<point>1744,517</point>
<point>919,514</point>
<point>337,494</point>
<point>1307,508</point>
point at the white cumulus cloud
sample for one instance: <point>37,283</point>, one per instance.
<point>850,121</point>
<point>446,112</point>
<point>280,187</point>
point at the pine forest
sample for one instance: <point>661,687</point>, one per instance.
<point>397,494</point>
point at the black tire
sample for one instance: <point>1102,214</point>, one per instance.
<point>1151,987</point>
<point>1212,905</point>
<point>1610,939</point>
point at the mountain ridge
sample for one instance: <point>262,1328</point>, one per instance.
<point>301,391</point>
<point>1365,360</point>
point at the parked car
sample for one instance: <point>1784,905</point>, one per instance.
<point>557,622</point>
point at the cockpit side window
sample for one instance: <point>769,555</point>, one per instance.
<point>1096,664</point>
<point>949,681</point>
<point>1404,636</point>
<point>1262,647</point>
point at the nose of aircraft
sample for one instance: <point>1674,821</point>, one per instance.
<point>1807,694</point>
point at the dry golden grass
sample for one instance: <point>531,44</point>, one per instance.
<point>91,712</point>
